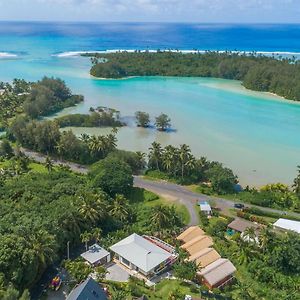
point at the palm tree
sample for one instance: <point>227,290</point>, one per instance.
<point>44,246</point>
<point>160,217</point>
<point>155,155</point>
<point>91,207</point>
<point>49,164</point>
<point>184,156</point>
<point>170,157</point>
<point>96,234</point>
<point>120,208</point>
<point>250,234</point>
<point>141,158</point>
<point>85,138</point>
<point>85,238</point>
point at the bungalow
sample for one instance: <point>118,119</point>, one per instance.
<point>146,255</point>
<point>205,208</point>
<point>197,244</point>
<point>96,255</point>
<point>239,225</point>
<point>190,233</point>
<point>205,257</point>
<point>88,290</point>
<point>287,225</point>
<point>217,274</point>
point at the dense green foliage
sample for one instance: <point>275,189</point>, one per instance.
<point>95,119</point>
<point>259,73</point>
<point>41,212</point>
<point>46,137</point>
<point>276,195</point>
<point>180,165</point>
<point>142,119</point>
<point>48,96</point>
<point>268,269</point>
<point>112,175</point>
<point>37,99</point>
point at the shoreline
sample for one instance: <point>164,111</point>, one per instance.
<point>276,96</point>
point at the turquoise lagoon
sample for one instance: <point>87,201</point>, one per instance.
<point>255,134</point>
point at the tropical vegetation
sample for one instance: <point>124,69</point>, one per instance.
<point>257,72</point>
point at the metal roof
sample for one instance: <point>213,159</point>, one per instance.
<point>204,206</point>
<point>140,252</point>
<point>288,225</point>
<point>217,271</point>
<point>94,254</point>
<point>87,290</point>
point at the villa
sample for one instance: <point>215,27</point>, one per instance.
<point>287,225</point>
<point>197,244</point>
<point>205,257</point>
<point>217,274</point>
<point>239,225</point>
<point>190,233</point>
<point>146,255</point>
<point>96,255</point>
<point>213,271</point>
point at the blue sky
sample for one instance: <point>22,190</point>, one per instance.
<point>223,11</point>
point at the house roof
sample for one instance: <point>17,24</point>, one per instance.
<point>205,257</point>
<point>197,244</point>
<point>204,206</point>
<point>241,225</point>
<point>94,254</point>
<point>87,290</point>
<point>190,234</point>
<point>217,271</point>
<point>288,225</point>
<point>141,252</point>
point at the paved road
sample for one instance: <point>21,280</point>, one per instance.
<point>165,189</point>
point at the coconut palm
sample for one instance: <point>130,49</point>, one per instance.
<point>184,154</point>
<point>250,234</point>
<point>91,207</point>
<point>160,217</point>
<point>96,234</point>
<point>49,164</point>
<point>155,155</point>
<point>85,238</point>
<point>120,208</point>
<point>44,246</point>
<point>170,158</point>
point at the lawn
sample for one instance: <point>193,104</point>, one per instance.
<point>150,199</point>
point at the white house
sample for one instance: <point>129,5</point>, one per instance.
<point>146,255</point>
<point>285,224</point>
<point>205,207</point>
<point>96,255</point>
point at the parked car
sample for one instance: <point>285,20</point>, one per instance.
<point>239,205</point>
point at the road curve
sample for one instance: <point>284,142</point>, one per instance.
<point>163,188</point>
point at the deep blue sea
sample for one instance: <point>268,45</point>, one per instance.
<point>256,134</point>
<point>54,38</point>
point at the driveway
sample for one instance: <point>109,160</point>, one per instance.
<point>116,273</point>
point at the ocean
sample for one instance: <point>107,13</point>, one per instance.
<point>255,134</point>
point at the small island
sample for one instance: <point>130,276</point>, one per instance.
<point>280,76</point>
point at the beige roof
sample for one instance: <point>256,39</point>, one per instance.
<point>205,257</point>
<point>241,225</point>
<point>190,234</point>
<point>217,271</point>
<point>197,244</point>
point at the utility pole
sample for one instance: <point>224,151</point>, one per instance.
<point>68,250</point>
